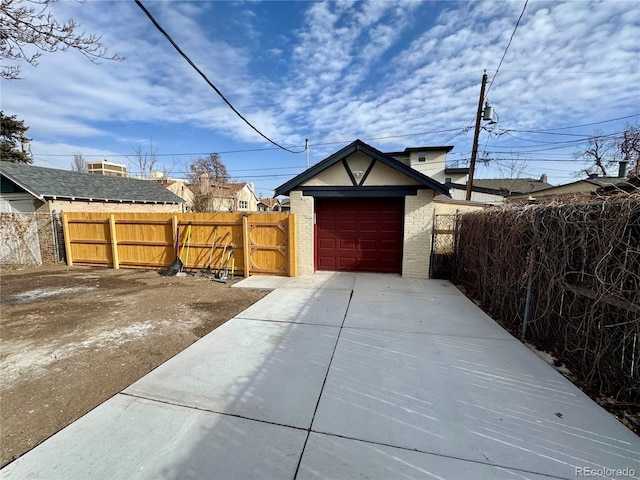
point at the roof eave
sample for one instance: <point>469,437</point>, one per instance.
<point>456,170</point>
<point>107,200</point>
<point>23,186</point>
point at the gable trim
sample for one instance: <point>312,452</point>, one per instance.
<point>349,172</point>
<point>366,174</point>
<point>376,155</point>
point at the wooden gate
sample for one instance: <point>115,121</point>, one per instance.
<point>259,243</point>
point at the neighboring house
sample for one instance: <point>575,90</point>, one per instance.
<point>509,187</point>
<point>458,191</point>
<point>181,189</point>
<point>580,188</point>
<point>241,197</point>
<point>36,239</point>
<point>269,205</point>
<point>285,205</point>
<point>108,169</point>
<point>431,161</point>
<point>445,205</point>
<point>628,185</point>
<point>29,189</point>
<point>496,190</point>
<point>363,210</point>
<point>226,197</point>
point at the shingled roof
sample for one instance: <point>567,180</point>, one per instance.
<point>49,183</point>
<point>512,186</point>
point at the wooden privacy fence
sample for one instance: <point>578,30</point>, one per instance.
<point>261,243</point>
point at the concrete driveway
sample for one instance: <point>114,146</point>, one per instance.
<point>346,376</point>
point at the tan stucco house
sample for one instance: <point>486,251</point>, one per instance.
<point>364,210</point>
<point>269,205</point>
<point>240,197</point>
<point>219,197</point>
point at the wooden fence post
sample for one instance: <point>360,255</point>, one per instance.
<point>174,233</point>
<point>292,246</point>
<point>114,242</point>
<point>246,243</point>
<point>67,240</point>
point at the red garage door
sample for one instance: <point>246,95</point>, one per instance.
<point>359,235</point>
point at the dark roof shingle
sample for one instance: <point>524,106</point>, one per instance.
<point>47,183</point>
<point>512,186</point>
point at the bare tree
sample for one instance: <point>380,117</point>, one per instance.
<point>511,172</point>
<point>604,152</point>
<point>208,178</point>
<point>630,149</point>
<point>79,164</point>
<point>145,161</point>
<point>27,29</point>
<point>597,154</point>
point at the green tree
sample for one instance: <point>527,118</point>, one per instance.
<point>13,141</point>
<point>27,29</point>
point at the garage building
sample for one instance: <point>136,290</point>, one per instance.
<point>365,211</point>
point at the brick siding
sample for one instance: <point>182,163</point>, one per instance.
<point>418,223</point>
<point>303,208</point>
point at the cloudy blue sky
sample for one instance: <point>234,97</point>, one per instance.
<point>394,74</point>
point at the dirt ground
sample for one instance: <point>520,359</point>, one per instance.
<point>72,338</point>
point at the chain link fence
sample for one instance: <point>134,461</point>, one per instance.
<point>442,246</point>
<point>31,239</point>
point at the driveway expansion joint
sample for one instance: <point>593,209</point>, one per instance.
<point>209,410</point>
<point>285,322</point>
<point>475,337</point>
<point>326,375</point>
<point>426,452</point>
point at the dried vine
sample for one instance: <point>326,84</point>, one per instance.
<point>584,262</point>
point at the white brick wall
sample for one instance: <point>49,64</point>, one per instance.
<point>418,223</point>
<point>303,208</point>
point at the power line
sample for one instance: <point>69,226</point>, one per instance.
<point>569,72</point>
<point>566,142</point>
<point>233,172</point>
<point>578,126</point>
<point>190,62</point>
<point>343,142</point>
<point>248,150</point>
<point>506,49</point>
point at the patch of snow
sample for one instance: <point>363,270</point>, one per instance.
<point>550,359</point>
<point>38,293</point>
<point>29,361</point>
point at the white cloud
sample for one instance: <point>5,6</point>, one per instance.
<point>60,155</point>
<point>349,70</point>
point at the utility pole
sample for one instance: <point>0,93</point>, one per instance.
<point>476,134</point>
